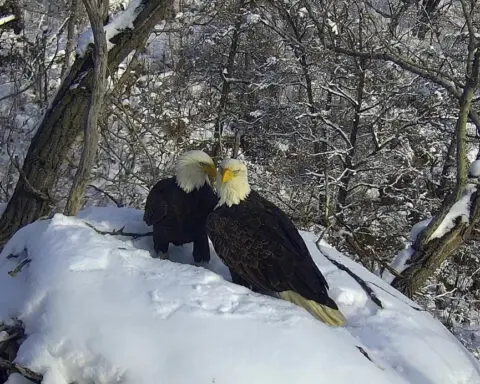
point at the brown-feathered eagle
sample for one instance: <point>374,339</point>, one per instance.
<point>178,207</point>
<point>262,247</point>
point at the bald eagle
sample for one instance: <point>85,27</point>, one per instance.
<point>178,207</point>
<point>262,247</point>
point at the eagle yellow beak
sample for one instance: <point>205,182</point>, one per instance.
<point>211,171</point>
<point>227,175</point>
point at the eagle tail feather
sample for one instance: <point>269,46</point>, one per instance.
<point>321,312</point>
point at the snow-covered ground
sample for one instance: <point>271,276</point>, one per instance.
<point>98,309</point>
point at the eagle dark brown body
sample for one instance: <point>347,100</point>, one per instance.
<point>178,217</point>
<point>265,252</point>
<point>262,246</point>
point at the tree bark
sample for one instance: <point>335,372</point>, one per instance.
<point>226,75</point>
<point>63,122</point>
<point>348,164</point>
<point>430,253</point>
<point>72,22</point>
<point>448,164</point>
<point>348,170</point>
<point>90,139</point>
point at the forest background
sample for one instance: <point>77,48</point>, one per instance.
<point>358,118</point>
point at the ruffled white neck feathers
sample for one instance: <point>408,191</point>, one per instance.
<point>190,170</point>
<point>232,182</point>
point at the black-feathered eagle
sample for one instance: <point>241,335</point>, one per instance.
<point>178,207</point>
<point>262,247</point>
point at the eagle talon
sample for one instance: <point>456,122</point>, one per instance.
<point>164,256</point>
<point>200,263</point>
<point>161,256</point>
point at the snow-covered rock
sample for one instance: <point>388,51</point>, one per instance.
<point>97,308</point>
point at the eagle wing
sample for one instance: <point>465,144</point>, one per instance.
<point>259,242</point>
<point>156,206</point>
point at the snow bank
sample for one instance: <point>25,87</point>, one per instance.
<point>98,308</point>
<point>15,378</point>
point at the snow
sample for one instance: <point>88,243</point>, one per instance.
<point>122,21</point>
<point>461,209</point>
<point>257,113</point>
<point>16,378</point>
<point>281,146</point>
<point>98,308</point>
<point>400,262</point>
<point>333,26</point>
<point>253,18</point>
<point>303,12</point>
<point>418,228</point>
<point>474,170</point>
<point>3,336</point>
<point>372,193</point>
<point>272,60</point>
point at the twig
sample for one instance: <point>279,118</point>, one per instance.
<point>117,203</point>
<point>352,240</point>
<point>357,278</point>
<point>18,92</point>
<point>19,267</point>
<point>420,309</point>
<point>119,232</point>
<point>25,372</point>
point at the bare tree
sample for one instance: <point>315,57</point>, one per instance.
<point>63,122</point>
<point>90,137</point>
<point>227,75</point>
<point>436,243</point>
<point>72,22</point>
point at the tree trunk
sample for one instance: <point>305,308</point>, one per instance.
<point>103,5</point>
<point>430,253</point>
<point>448,164</point>
<point>226,75</point>
<point>360,64</point>
<point>63,122</point>
<point>90,139</point>
<point>348,164</point>
<point>72,22</point>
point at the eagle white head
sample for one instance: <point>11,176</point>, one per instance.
<point>232,182</point>
<point>193,169</point>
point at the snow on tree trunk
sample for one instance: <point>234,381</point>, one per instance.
<point>64,120</point>
<point>460,211</point>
